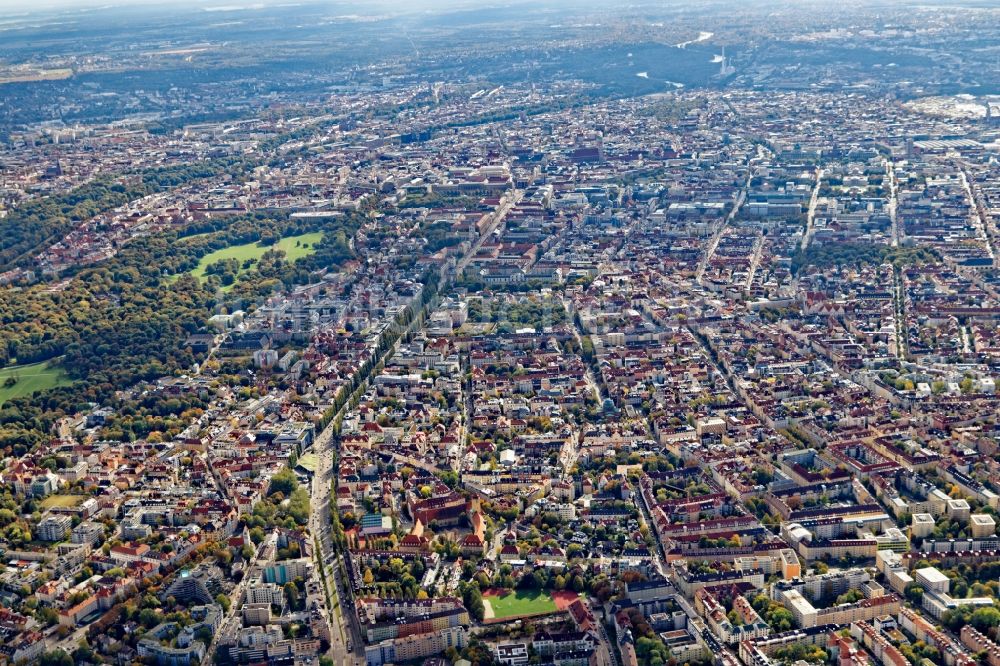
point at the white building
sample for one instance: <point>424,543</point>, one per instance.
<point>54,527</point>
<point>959,509</point>
<point>932,579</point>
<point>982,525</point>
<point>921,525</point>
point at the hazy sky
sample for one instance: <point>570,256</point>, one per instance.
<point>25,7</point>
<point>19,8</point>
<point>12,8</point>
<point>22,7</point>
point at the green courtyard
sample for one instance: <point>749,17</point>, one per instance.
<point>518,603</point>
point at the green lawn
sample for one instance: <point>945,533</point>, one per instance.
<point>62,501</point>
<point>309,462</point>
<point>295,247</point>
<point>30,378</point>
<point>522,602</point>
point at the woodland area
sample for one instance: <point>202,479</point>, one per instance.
<point>118,323</point>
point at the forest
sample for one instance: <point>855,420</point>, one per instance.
<point>119,322</point>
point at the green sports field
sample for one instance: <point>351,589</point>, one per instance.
<point>30,378</point>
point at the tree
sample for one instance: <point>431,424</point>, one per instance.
<point>409,585</point>
<point>55,658</point>
<point>223,601</point>
<point>298,506</point>
<point>985,618</point>
<point>473,598</point>
<point>77,597</point>
<point>83,653</point>
<point>283,482</point>
<point>204,634</point>
<point>47,616</point>
<point>914,593</point>
<point>292,596</point>
<point>849,597</point>
<point>148,618</point>
<point>541,577</point>
<point>958,617</point>
<point>780,619</point>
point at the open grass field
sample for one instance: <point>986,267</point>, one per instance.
<point>28,75</point>
<point>30,378</point>
<point>62,501</point>
<point>295,247</point>
<point>503,604</point>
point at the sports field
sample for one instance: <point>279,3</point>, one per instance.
<point>504,604</point>
<point>62,501</point>
<point>295,247</point>
<point>30,378</point>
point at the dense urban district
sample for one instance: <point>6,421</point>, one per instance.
<point>452,372</point>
